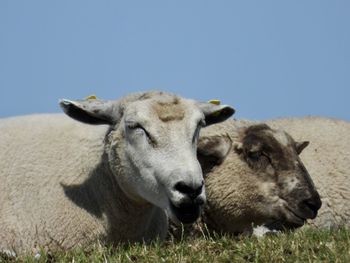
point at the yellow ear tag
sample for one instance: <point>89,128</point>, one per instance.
<point>216,102</point>
<point>91,97</point>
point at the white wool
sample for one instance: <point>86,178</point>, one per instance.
<point>66,184</point>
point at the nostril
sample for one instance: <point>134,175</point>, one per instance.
<point>314,203</point>
<point>193,192</point>
<point>310,206</point>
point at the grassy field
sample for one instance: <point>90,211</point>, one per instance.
<point>301,246</point>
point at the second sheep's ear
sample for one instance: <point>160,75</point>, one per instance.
<point>91,111</point>
<point>300,146</point>
<point>212,151</point>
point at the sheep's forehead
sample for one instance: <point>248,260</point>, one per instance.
<point>276,139</point>
<point>282,144</point>
<point>281,137</point>
<point>164,109</point>
<point>169,110</point>
<point>277,143</point>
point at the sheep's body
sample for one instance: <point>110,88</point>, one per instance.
<point>66,184</point>
<point>327,159</point>
<point>37,211</point>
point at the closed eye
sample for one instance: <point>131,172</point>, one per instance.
<point>256,156</point>
<point>134,126</point>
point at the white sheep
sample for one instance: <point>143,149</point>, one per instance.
<point>254,175</point>
<point>66,184</point>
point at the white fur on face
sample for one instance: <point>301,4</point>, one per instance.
<point>281,137</point>
<point>291,182</point>
<point>160,154</point>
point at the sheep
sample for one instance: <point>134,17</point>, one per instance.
<point>66,184</point>
<point>254,175</point>
<point>327,159</point>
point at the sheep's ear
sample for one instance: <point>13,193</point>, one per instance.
<point>91,111</point>
<point>215,113</point>
<point>238,147</point>
<point>300,146</point>
<point>212,151</point>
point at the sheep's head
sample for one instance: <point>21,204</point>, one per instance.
<point>152,146</point>
<point>261,180</point>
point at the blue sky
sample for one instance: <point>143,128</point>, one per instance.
<point>266,58</point>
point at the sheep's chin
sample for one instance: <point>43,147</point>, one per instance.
<point>183,213</point>
<point>281,225</point>
<point>292,219</point>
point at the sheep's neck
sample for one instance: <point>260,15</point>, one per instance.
<point>130,221</point>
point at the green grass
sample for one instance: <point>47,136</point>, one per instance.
<point>302,246</point>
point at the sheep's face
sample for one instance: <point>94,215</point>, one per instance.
<point>152,151</point>
<point>286,185</point>
<point>156,142</point>
<point>265,182</point>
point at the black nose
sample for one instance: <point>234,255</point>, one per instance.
<point>189,190</point>
<point>314,204</point>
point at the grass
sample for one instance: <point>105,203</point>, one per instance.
<point>306,245</point>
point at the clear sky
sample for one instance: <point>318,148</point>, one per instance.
<point>266,58</point>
